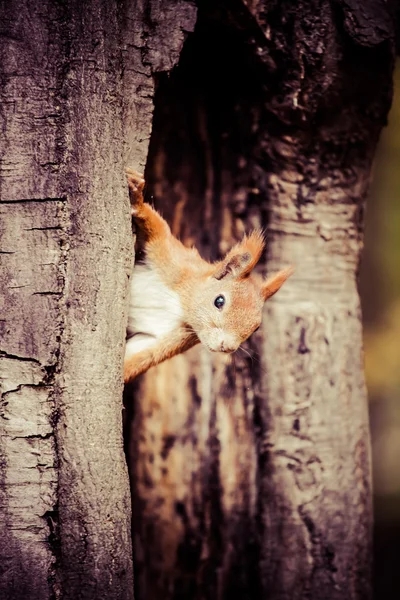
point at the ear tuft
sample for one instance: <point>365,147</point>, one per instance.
<point>242,258</point>
<point>274,283</point>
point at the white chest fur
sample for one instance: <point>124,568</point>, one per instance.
<point>154,310</point>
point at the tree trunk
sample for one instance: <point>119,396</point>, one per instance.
<point>76,109</point>
<point>252,479</point>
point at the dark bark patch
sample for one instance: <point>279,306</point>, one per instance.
<point>194,391</point>
<point>368,22</point>
<point>168,444</point>
<point>302,348</point>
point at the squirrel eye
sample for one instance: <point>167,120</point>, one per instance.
<point>219,302</point>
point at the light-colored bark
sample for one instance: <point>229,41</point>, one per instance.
<point>316,421</point>
<point>66,255</point>
<point>76,106</point>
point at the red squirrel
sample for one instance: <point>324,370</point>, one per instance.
<point>178,299</point>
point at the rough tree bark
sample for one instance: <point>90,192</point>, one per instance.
<point>252,479</point>
<point>75,110</point>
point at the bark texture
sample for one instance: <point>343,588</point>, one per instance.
<point>252,479</point>
<point>75,110</point>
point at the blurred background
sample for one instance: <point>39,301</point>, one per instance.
<point>380,296</point>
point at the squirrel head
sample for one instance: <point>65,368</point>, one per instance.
<point>228,306</point>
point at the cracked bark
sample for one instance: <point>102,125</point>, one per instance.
<point>75,109</point>
<point>253,480</point>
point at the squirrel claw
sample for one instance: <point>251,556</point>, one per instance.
<point>136,184</point>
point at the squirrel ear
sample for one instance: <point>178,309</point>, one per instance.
<point>273,283</point>
<point>242,258</point>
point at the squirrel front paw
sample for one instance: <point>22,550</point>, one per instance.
<point>136,184</point>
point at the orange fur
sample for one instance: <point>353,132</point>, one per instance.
<point>175,290</point>
<point>273,283</point>
<point>178,342</point>
<point>243,257</point>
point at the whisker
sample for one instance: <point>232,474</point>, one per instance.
<point>253,358</point>
<point>233,365</point>
<point>246,352</point>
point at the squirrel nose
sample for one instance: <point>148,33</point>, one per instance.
<point>224,348</point>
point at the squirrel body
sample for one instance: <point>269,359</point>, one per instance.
<point>155,310</point>
<point>178,299</point>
